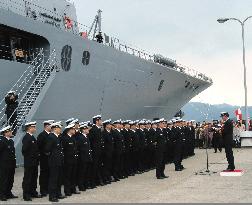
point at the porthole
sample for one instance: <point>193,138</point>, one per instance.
<point>66,58</point>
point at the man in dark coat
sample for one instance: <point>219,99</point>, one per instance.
<point>44,169</point>
<point>54,150</point>
<point>30,152</point>
<point>119,147</point>
<point>95,138</point>
<point>108,150</point>
<point>160,141</point>
<point>85,157</point>
<point>11,109</point>
<point>7,164</point>
<point>70,160</point>
<point>227,134</point>
<point>135,148</point>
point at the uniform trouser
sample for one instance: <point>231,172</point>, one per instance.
<point>96,175</point>
<point>229,156</point>
<point>117,165</point>
<point>178,154</point>
<point>44,175</point>
<point>29,184</point>
<point>160,163</point>
<point>54,182</point>
<point>141,160</point>
<point>69,178</point>
<point>82,174</point>
<point>108,166</point>
<point>6,180</point>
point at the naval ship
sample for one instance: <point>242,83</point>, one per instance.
<point>61,68</point>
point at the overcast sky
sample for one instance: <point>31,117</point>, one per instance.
<point>185,30</point>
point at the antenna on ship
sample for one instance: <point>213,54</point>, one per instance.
<point>96,25</point>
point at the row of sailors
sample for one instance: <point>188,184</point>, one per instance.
<point>87,156</point>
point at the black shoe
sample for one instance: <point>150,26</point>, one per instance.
<point>68,194</point>
<point>43,195</point>
<point>54,200</point>
<point>3,198</point>
<point>229,170</point>
<point>36,196</point>
<point>27,198</point>
<point>75,192</point>
<point>165,176</point>
<point>61,197</point>
<point>11,196</point>
<point>178,169</point>
<point>160,177</point>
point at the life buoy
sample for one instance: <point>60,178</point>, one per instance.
<point>68,23</point>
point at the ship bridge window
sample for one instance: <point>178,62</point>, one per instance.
<point>86,58</point>
<point>21,46</point>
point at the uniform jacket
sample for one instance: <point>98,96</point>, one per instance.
<point>30,151</point>
<point>84,148</point>
<point>7,153</point>
<point>69,145</point>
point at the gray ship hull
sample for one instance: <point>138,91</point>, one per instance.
<point>114,84</point>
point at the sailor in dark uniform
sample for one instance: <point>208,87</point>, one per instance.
<point>70,160</point>
<point>135,148</point>
<point>178,137</point>
<point>30,152</point>
<point>227,134</point>
<point>54,150</point>
<point>44,169</point>
<point>11,109</point>
<point>85,157</point>
<point>143,145</point>
<point>95,138</point>
<point>7,164</point>
<point>128,148</point>
<point>118,150</point>
<point>108,150</point>
<point>160,141</point>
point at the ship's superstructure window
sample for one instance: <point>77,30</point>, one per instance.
<point>86,58</point>
<point>66,58</point>
<point>20,46</point>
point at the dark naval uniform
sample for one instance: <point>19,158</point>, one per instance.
<point>70,163</point>
<point>96,146</point>
<point>30,152</point>
<point>135,151</point>
<point>7,167</point>
<point>160,141</point>
<point>85,158</point>
<point>108,153</point>
<point>227,134</point>
<point>178,137</point>
<point>118,150</point>
<point>55,154</point>
<point>44,169</point>
<point>128,150</point>
<point>142,149</point>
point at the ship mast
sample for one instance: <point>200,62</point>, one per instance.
<point>96,25</point>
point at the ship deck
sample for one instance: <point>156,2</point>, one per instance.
<point>180,187</point>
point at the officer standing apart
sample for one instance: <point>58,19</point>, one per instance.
<point>44,169</point>
<point>31,161</point>
<point>54,150</point>
<point>7,164</point>
<point>227,134</point>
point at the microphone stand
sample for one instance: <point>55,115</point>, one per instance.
<point>207,172</point>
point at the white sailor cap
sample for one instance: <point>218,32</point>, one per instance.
<point>126,122</point>
<point>31,124</point>
<point>84,126</point>
<point>6,129</point>
<point>224,114</point>
<point>142,122</point>
<point>70,126</point>
<point>48,122</point>
<point>148,122</point>
<point>117,122</point>
<point>106,122</point>
<point>97,117</point>
<point>131,122</point>
<point>161,120</point>
<point>137,121</point>
<point>56,125</point>
<point>75,121</point>
<point>11,92</point>
<point>69,120</point>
